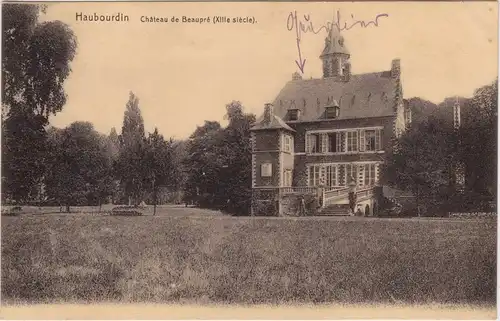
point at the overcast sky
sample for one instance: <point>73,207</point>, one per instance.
<point>186,73</point>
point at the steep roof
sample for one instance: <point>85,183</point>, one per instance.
<point>276,123</point>
<point>364,95</point>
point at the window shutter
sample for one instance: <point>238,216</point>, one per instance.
<point>307,143</point>
<point>341,143</point>
<point>362,142</point>
<point>361,174</point>
<point>322,175</point>
<point>324,143</point>
<point>378,139</point>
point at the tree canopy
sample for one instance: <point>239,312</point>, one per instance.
<point>79,168</point>
<point>36,59</point>
<point>129,167</point>
<point>219,162</point>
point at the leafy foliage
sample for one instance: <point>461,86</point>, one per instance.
<point>23,156</point>
<point>129,167</point>
<point>219,163</point>
<point>35,64</point>
<point>35,61</point>
<point>79,169</point>
<point>428,154</point>
<point>158,163</point>
<point>479,140</point>
<point>423,161</point>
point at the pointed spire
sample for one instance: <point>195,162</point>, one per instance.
<point>334,42</point>
<point>335,55</point>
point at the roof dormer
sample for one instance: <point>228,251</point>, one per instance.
<point>293,114</point>
<point>332,111</point>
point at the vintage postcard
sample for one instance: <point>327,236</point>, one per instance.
<point>249,160</point>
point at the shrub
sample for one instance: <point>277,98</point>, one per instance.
<point>126,211</point>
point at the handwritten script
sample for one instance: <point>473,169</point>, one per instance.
<point>306,26</point>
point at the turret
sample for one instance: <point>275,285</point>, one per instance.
<point>335,56</point>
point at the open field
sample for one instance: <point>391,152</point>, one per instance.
<point>219,259</point>
<point>171,210</point>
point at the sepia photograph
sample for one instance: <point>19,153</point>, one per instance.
<point>246,160</point>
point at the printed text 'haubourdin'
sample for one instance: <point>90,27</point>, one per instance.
<point>121,17</point>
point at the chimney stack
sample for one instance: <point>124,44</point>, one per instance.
<point>396,68</point>
<point>456,114</point>
<point>268,113</point>
<point>296,76</point>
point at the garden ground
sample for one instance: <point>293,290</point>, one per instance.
<point>188,255</point>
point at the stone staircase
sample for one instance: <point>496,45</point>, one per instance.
<point>335,210</point>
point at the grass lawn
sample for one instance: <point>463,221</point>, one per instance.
<point>220,259</point>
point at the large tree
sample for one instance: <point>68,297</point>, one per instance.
<point>479,141</point>
<point>236,173</point>
<point>79,167</point>
<point>36,60</point>
<point>130,169</point>
<point>423,162</point>
<point>159,165</point>
<point>219,163</point>
<point>203,165</point>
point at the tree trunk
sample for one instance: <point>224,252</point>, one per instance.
<point>154,200</point>
<point>418,201</point>
<point>100,205</point>
<point>67,208</point>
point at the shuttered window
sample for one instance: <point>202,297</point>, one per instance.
<point>362,140</point>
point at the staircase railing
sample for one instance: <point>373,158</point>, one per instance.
<point>365,192</point>
<point>333,194</point>
<point>299,189</point>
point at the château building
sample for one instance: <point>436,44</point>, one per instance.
<point>321,135</point>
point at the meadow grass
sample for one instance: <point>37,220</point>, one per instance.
<point>219,259</point>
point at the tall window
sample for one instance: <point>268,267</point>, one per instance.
<point>370,174</point>
<point>336,142</point>
<point>370,140</point>
<point>351,173</point>
<point>287,178</point>
<point>288,143</point>
<point>332,175</point>
<point>314,143</point>
<point>352,141</point>
<point>332,142</point>
<point>314,175</point>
